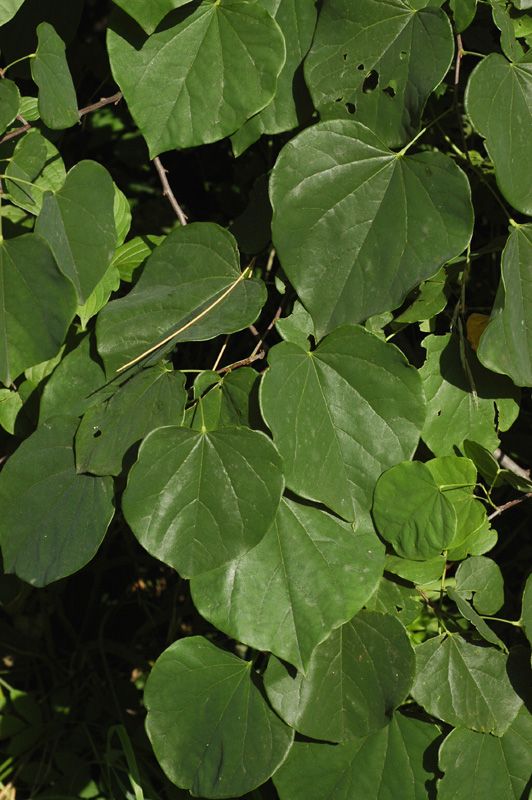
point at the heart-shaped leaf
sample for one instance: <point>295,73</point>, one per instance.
<point>40,483</point>
<point>340,415</point>
<point>269,598</point>
<point>352,219</point>
<point>78,224</point>
<point>463,684</point>
<point>378,62</point>
<point>355,679</point>
<point>210,728</point>
<point>499,102</point>
<point>391,762</point>
<point>506,344</point>
<point>196,500</point>
<point>223,56</point>
<point>196,267</point>
<point>37,305</point>
<point>58,106</point>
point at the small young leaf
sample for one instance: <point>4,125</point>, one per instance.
<point>52,520</point>
<point>463,684</point>
<point>9,103</point>
<point>197,500</point>
<point>391,762</point>
<point>58,106</point>
<point>210,728</point>
<point>309,575</point>
<point>481,579</point>
<point>355,679</point>
<point>78,224</point>
<point>297,327</point>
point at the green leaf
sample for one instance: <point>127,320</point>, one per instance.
<point>328,409</point>
<point>526,609</point>
<point>309,575</point>
<point>297,21</point>
<point>378,62</point>
<point>74,384</point>
<point>297,327</point>
<point>395,598</point>
<point>499,103</point>
<point>189,271</point>
<point>454,411</point>
<point>9,103</point>
<point>132,254</point>
<point>209,726</point>
<point>389,763</point>
<point>148,13</point>
<point>35,161</point>
<point>339,171</point>
<point>122,215</point>
<point>197,500</point>
<point>469,613</point>
<point>226,403</point>
<point>511,48</point>
<point>430,300</point>
<point>506,344</point>
<point>152,398</point>
<point>10,405</point>
<point>412,512</point>
<point>8,9</point>
<point>355,679</point>
<point>37,305</point>
<point>463,684</point>
<point>418,572</point>
<point>463,13</point>
<point>58,105</point>
<point>480,579</point>
<point>99,296</point>
<point>40,483</point>
<point>208,45</point>
<point>477,765</point>
<point>78,224</point>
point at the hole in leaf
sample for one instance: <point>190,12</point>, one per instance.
<point>345,56</point>
<point>338,100</point>
<point>351,108</point>
<point>360,67</point>
<point>371,81</point>
<point>390,91</point>
<point>97,433</point>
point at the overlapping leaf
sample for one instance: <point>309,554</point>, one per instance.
<point>78,224</point>
<point>58,107</point>
<point>39,168</point>
<point>9,103</point>
<point>499,102</point>
<point>196,500</point>
<point>357,226</point>
<point>52,520</point>
<point>506,344</point>
<point>37,304</point>
<point>224,57</point>
<point>390,763</point>
<point>463,684</point>
<point>310,574</point>
<point>148,13</point>
<point>480,578</point>
<point>188,272</point>
<point>378,62</point>
<point>341,415</point>
<point>211,730</point>
<point>354,681</point>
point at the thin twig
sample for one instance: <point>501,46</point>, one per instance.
<point>244,362</point>
<point>510,504</point>
<point>266,332</point>
<point>167,192</point>
<point>220,354</point>
<point>105,101</point>
<point>190,323</point>
<point>459,55</point>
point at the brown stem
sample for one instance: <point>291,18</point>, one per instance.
<point>167,192</point>
<point>459,54</point>
<point>244,362</point>
<point>510,504</point>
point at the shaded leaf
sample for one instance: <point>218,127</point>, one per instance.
<point>389,763</point>
<point>340,415</point>
<point>297,327</point>
<point>469,613</point>
<point>37,305</point>
<point>309,575</point>
<point>480,579</point>
<point>189,271</point>
<point>148,13</point>
<point>339,172</point>
<point>526,609</point>
<point>197,500</point>
<point>122,216</point>
<point>412,513</point>
<point>39,482</point>
<point>227,401</point>
<point>152,398</point>
<point>10,405</point>
<point>209,726</point>
<point>499,103</point>
<point>207,47</point>
<point>355,679</point>
<point>99,295</point>
<point>477,765</point>
<point>463,13</point>
<point>37,162</point>
<point>419,572</point>
<point>506,344</point>
<point>58,105</point>
<point>378,62</point>
<point>131,255</point>
<point>9,102</point>
<point>430,300</point>
<point>463,684</point>
<point>78,224</point>
<point>393,597</point>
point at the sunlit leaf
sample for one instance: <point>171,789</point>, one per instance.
<point>58,106</point>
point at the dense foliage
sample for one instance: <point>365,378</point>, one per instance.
<point>266,404</point>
